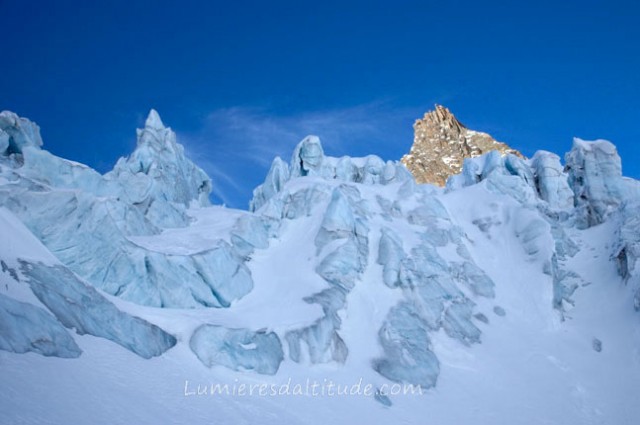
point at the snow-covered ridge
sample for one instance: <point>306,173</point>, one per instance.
<point>308,159</point>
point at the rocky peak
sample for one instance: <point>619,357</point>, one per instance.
<point>441,143</point>
<point>442,118</point>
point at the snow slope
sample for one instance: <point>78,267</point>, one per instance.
<point>509,297</point>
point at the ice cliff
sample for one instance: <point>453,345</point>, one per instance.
<point>41,297</point>
<point>88,220</point>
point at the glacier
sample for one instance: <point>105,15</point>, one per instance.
<point>98,217</point>
<point>238,349</point>
<point>595,176</point>
<point>342,268</point>
<point>35,283</point>
<point>78,306</point>
<point>308,159</point>
<point>406,343</point>
<point>26,327</point>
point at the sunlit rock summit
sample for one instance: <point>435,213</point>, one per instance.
<point>440,145</point>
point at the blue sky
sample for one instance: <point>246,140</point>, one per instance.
<point>243,81</point>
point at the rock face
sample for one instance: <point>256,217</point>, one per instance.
<point>440,145</point>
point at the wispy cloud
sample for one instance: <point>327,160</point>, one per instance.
<point>236,146</point>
